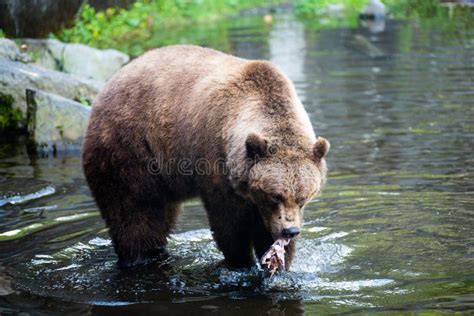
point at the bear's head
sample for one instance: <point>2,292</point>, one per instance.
<point>280,181</point>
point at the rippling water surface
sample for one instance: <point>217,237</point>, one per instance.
<point>393,231</point>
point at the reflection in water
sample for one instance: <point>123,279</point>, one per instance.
<point>392,231</point>
<point>287,49</point>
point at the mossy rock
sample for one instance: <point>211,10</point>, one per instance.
<point>10,117</point>
<point>55,124</point>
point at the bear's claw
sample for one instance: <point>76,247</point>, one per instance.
<point>140,260</point>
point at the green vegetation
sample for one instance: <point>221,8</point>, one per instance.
<point>118,28</point>
<point>84,100</point>
<point>60,129</point>
<point>151,23</point>
<point>432,10</point>
<point>421,8</point>
<point>34,55</point>
<point>397,8</point>
<point>324,14</point>
<point>9,117</point>
<point>311,8</point>
<point>318,11</point>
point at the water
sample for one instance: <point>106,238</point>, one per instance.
<point>392,232</point>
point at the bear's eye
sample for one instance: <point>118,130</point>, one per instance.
<point>301,203</point>
<point>276,198</point>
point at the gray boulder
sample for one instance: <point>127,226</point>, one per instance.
<point>16,77</point>
<point>9,50</point>
<point>55,123</point>
<point>76,59</point>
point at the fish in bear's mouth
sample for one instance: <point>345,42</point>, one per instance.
<point>274,258</point>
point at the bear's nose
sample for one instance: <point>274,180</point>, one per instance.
<point>290,232</point>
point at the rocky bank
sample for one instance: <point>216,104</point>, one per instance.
<point>46,89</point>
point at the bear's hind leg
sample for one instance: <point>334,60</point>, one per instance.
<point>140,235</point>
<point>290,250</point>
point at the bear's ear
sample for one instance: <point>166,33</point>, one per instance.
<point>256,146</point>
<point>320,148</point>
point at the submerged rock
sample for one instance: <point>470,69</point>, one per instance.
<point>365,46</point>
<point>77,59</point>
<point>6,281</point>
<point>16,77</point>
<point>55,123</point>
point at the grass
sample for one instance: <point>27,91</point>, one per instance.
<point>118,28</point>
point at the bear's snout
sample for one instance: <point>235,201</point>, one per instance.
<point>290,232</point>
<point>284,224</point>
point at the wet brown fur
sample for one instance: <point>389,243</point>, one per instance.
<point>188,102</point>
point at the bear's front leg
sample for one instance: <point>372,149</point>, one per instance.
<point>232,231</point>
<point>262,239</point>
<point>290,253</point>
<point>236,247</point>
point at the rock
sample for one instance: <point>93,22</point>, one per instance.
<point>16,77</point>
<point>55,123</point>
<point>6,281</point>
<point>374,26</point>
<point>76,59</point>
<point>9,50</point>
<point>374,9</point>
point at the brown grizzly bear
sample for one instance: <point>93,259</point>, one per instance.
<point>183,122</point>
